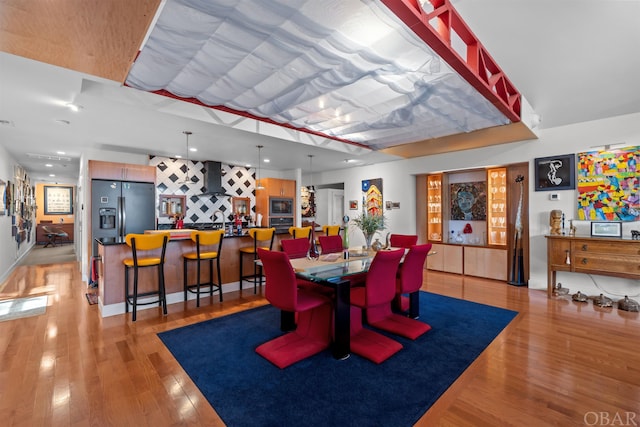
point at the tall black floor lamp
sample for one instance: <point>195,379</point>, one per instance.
<point>517,266</point>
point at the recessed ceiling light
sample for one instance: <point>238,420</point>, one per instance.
<point>193,149</point>
<point>74,107</point>
<point>52,175</point>
<point>178,156</point>
<point>49,165</point>
<point>266,160</point>
<point>60,152</point>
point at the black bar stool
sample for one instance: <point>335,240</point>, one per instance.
<point>208,248</point>
<point>260,238</point>
<point>148,246</point>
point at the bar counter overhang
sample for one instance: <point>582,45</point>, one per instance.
<point>112,252</point>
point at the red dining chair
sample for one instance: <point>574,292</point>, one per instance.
<point>296,248</point>
<point>374,298</point>
<point>330,244</point>
<point>299,248</point>
<point>403,240</point>
<point>409,281</point>
<point>379,290</point>
<point>313,331</point>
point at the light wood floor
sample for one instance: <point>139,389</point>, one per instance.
<point>558,363</point>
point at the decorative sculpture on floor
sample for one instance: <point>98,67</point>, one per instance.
<point>517,266</point>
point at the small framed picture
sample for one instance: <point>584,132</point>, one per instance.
<point>555,173</point>
<point>353,204</point>
<point>606,229</point>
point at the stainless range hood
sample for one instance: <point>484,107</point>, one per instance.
<point>213,180</point>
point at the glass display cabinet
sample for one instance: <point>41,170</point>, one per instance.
<point>434,208</point>
<point>497,206</point>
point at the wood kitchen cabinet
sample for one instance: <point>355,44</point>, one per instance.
<point>274,187</point>
<point>121,171</point>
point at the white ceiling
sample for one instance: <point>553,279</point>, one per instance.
<point>573,60</point>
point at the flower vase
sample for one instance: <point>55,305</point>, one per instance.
<point>368,238</point>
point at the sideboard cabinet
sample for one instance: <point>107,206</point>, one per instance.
<point>592,255</point>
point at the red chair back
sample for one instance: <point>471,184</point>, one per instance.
<point>281,288</point>
<point>330,244</point>
<point>402,240</point>
<point>411,270</point>
<point>296,248</point>
<point>381,277</point>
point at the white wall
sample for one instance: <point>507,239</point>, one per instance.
<point>10,252</point>
<point>399,186</point>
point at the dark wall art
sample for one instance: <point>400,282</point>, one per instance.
<point>555,173</point>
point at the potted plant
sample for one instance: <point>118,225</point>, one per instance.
<point>370,224</point>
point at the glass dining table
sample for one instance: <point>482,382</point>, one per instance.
<point>334,271</point>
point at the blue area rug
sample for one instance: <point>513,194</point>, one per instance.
<point>247,390</point>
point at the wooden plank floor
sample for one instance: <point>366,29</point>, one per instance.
<point>558,363</point>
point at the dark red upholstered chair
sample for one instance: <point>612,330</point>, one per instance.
<point>299,248</point>
<point>379,290</point>
<point>374,299</point>
<point>296,248</point>
<point>313,331</point>
<point>330,244</point>
<point>409,281</point>
<point>402,240</point>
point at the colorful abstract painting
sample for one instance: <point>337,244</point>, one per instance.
<point>372,196</point>
<point>608,185</point>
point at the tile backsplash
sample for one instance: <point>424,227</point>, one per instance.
<point>171,174</point>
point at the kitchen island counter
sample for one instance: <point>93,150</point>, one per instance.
<point>111,269</point>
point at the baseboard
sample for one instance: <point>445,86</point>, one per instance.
<point>173,298</point>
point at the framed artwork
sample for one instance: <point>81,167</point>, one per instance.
<point>608,185</point>
<point>58,200</point>
<point>353,205</point>
<point>555,173</point>
<point>469,201</point>
<point>372,196</point>
<point>3,197</point>
<point>606,229</point>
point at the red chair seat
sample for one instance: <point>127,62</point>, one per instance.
<point>312,310</point>
<point>369,344</point>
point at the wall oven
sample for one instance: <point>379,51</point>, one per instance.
<point>280,206</point>
<point>281,223</point>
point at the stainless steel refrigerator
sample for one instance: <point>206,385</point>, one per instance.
<point>119,208</point>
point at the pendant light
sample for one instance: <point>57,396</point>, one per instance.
<point>187,180</point>
<point>311,189</point>
<point>259,185</point>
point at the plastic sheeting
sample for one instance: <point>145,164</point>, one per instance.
<point>348,69</point>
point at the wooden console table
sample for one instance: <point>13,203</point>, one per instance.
<point>592,255</point>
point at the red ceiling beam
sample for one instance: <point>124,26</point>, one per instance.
<point>478,68</point>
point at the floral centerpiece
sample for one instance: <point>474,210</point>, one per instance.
<point>370,224</point>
